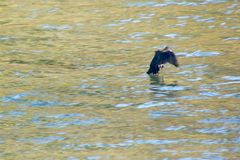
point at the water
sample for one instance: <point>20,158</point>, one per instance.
<point>73,83</point>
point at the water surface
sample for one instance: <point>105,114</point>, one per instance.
<point>73,83</point>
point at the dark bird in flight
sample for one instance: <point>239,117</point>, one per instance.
<point>160,58</point>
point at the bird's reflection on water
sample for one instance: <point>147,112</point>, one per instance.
<point>156,80</point>
<point>160,88</point>
<point>160,80</point>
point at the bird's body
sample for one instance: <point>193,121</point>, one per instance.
<point>160,58</point>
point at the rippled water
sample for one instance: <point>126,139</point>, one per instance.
<point>73,83</point>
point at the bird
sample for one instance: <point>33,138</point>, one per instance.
<point>161,57</point>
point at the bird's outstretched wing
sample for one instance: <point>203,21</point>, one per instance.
<point>161,57</point>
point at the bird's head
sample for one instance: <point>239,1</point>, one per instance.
<point>173,59</point>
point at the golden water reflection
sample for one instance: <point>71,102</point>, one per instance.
<point>73,83</point>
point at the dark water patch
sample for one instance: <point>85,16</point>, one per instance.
<point>42,140</point>
<point>156,104</point>
<point>198,54</point>
<point>55,27</point>
<point>225,120</point>
<point>19,61</point>
<point>48,62</point>
<point>4,21</point>
<point>37,62</point>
